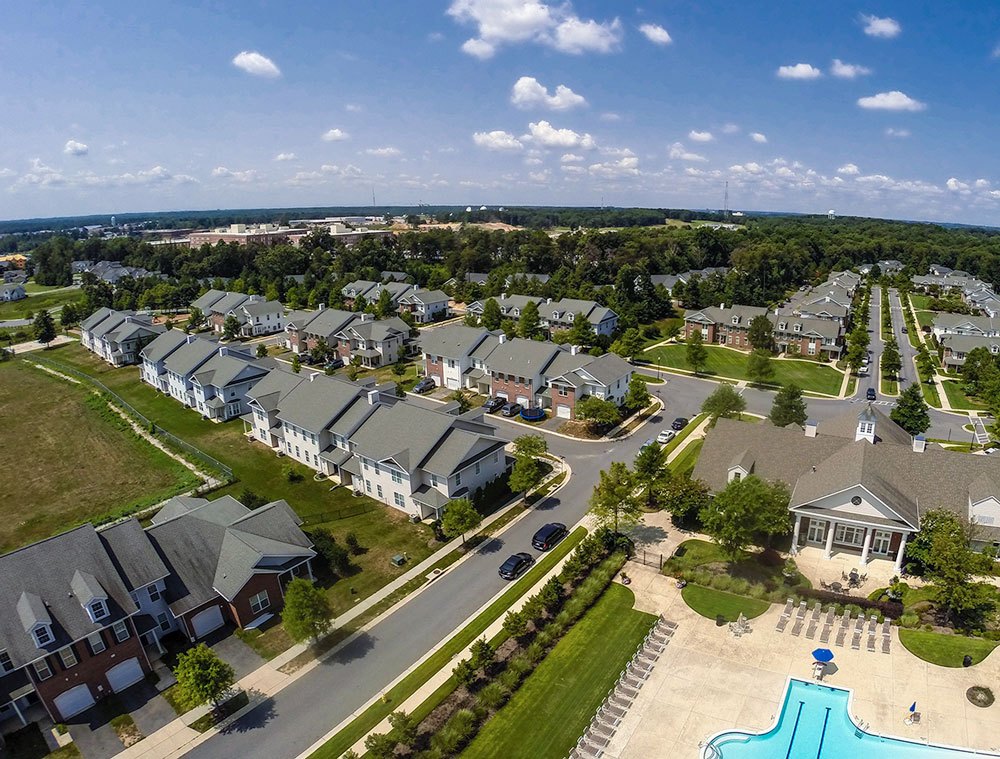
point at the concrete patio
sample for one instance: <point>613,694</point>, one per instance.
<point>708,681</point>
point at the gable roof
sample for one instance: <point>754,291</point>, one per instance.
<point>424,297</point>
<point>452,341</point>
<point>164,344</point>
<point>725,314</point>
<point>269,392</point>
<point>209,299</point>
<point>315,403</point>
<point>324,323</point>
<point>525,358</point>
<point>132,553</point>
<point>228,302</point>
<point>189,357</point>
<point>222,370</point>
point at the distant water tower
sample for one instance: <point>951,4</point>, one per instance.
<point>113,222</point>
<point>831,214</point>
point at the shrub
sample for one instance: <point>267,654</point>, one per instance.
<point>520,664</point>
<point>740,586</point>
<point>515,624</point>
<point>482,654</point>
<point>909,620</point>
<point>722,582</point>
<point>464,672</point>
<point>761,593</point>
<point>493,696</point>
<point>509,679</point>
<point>892,609</point>
<point>334,554</point>
<point>381,745</point>
<point>456,731</point>
<point>353,545</point>
<point>291,474</point>
<point>546,637</point>
<point>535,652</point>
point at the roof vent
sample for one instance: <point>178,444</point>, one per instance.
<point>810,428</point>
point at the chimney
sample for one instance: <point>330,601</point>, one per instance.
<point>810,428</point>
<point>722,305</point>
<point>919,444</point>
<point>373,397</point>
<point>223,350</point>
<point>366,317</point>
<point>321,306</point>
<point>574,350</point>
<point>502,337</point>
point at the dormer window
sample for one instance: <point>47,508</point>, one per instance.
<point>517,312</point>
<point>797,328</point>
<point>43,636</point>
<point>570,317</point>
<point>782,326</point>
<point>736,320</point>
<point>98,609</point>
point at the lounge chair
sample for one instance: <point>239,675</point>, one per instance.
<point>811,630</point>
<point>801,613</point>
<point>797,627</point>
<point>782,622</point>
<point>856,640</point>
<point>886,641</point>
<point>886,626</point>
<point>871,641</point>
<point>824,636</point>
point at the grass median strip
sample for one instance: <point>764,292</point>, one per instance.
<point>396,695</point>
<point>683,434</point>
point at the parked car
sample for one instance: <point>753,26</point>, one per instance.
<point>678,424</point>
<point>904,329</point>
<point>549,535</point>
<point>665,436</point>
<point>515,566</point>
<point>425,385</point>
<point>492,405</point>
<point>870,394</point>
<point>511,409</point>
<point>335,363</point>
<point>648,443</point>
<point>306,358</point>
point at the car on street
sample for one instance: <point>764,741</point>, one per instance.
<point>904,329</point>
<point>515,566</point>
<point>549,535</point>
<point>511,409</point>
<point>425,385</point>
<point>334,363</point>
<point>494,404</point>
<point>870,394</point>
<point>647,444</point>
<point>665,436</point>
<point>678,424</point>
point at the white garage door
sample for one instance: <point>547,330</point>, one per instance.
<point>205,621</point>
<point>502,395</point>
<point>74,701</point>
<point>523,400</point>
<point>122,675</point>
<point>563,411</point>
<point>451,383</point>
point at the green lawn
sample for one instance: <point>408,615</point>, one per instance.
<point>686,460</point>
<point>550,712</point>
<point>945,650</point>
<point>713,603</point>
<point>708,556</point>
<point>78,460</point>
<point>374,714</point>
<point>920,302</point>
<point>662,325</point>
<point>930,393</point>
<point>19,309</point>
<point>957,397</point>
<point>888,386</point>
<point>723,362</point>
<point>384,531</point>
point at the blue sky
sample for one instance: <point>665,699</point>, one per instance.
<point>877,109</point>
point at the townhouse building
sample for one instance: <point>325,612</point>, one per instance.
<point>793,334</point>
<point>182,365</point>
<point>807,336</point>
<point>220,385</point>
<point>424,306</point>
<point>304,329</point>
<point>12,292</point>
<point>511,306</point>
<point>118,337</point>
<point>259,317</point>
<point>372,291</point>
<point>448,354</point>
<point>559,316</point>
<point>154,355</point>
<point>722,325</point>
<point>375,342</point>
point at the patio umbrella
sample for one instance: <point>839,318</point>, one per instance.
<point>823,655</point>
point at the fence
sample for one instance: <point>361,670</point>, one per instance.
<point>334,514</point>
<point>150,425</point>
<point>649,558</point>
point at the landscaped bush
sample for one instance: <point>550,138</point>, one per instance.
<point>892,609</point>
<point>909,620</point>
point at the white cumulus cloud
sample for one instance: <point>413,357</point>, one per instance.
<point>696,136</point>
<point>73,147</point>
<point>886,28</point>
<point>222,172</point>
<point>897,133</point>
<point>497,140</point>
<point>571,158</point>
<point>528,92</point>
<point>335,135</point>
<point>849,169</point>
<point>256,64</point>
<point>384,152</point>
<point>799,71</point>
<point>956,186</point>
<point>758,137</point>
<point>285,157</point>
<point>655,34</point>
<point>678,152</point>
<point>730,128</point>
<point>546,135</point>
<point>625,167</point>
<point>891,101</point>
<point>843,70</point>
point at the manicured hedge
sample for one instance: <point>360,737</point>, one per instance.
<point>891,609</point>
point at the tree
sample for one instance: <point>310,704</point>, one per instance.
<point>891,362</point>
<point>724,403</point>
<point>744,508</point>
<point>613,503</point>
<point>525,475</point>
<point>681,495</point>
<point>195,318</point>
<point>460,516</point>
<point>381,745</point>
<point>582,331</point>
<point>491,314</point>
<point>952,564</point>
<point>530,446</point>
<point>788,407</point>
<point>697,354</point>
<point>629,345</point>
<point>855,355</point>
<point>761,334</point>
<point>337,558</point>
<point>509,327</point>
<point>464,404</point>
<point>530,321</point>
<point>307,614</point>
<point>910,412</point>
<point>230,327</point>
<point>44,327</point>
<point>202,677</point>
<point>399,368</point>
<point>296,363</point>
<point>261,350</point>
<point>69,316</point>
<point>599,413</point>
<point>383,307</point>
<point>649,467</point>
<point>637,396</point>
<point>759,367</point>
<point>404,727</point>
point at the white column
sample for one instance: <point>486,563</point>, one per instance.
<point>795,534</point>
<point>17,711</point>
<point>899,554</point>
<point>869,532</point>
<point>829,539</point>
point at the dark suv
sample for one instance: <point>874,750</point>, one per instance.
<point>548,536</point>
<point>493,405</point>
<point>679,423</point>
<point>511,409</point>
<point>515,566</point>
<point>870,394</point>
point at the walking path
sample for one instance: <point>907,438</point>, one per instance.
<point>34,345</point>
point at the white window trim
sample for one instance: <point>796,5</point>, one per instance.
<point>96,643</point>
<point>259,602</point>
<point>68,653</point>
<point>38,632</point>
<point>6,665</point>
<point>120,627</point>
<point>40,666</point>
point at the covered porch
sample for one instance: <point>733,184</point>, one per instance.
<point>867,538</point>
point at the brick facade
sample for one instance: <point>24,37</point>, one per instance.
<point>511,387</point>
<point>239,607</point>
<point>186,618</point>
<point>435,370</point>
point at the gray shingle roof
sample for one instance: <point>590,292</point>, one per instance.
<point>271,389</point>
<point>261,307</point>
<point>717,315</point>
<point>525,358</point>
<point>164,344</point>
<point>228,302</point>
<point>220,371</point>
<point>314,405</point>
<point>424,296</point>
<point>606,369</point>
<point>328,322</point>
<point>452,341</point>
<point>209,299</point>
<point>189,357</point>
<point>132,553</point>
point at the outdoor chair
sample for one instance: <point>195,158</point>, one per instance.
<point>871,641</point>
<point>886,627</point>
<point>824,585</point>
<point>845,620</point>
<point>596,740</point>
<point>856,640</point>
<point>811,630</point>
<point>609,716</point>
<point>824,636</point>
<point>841,634</point>
<point>782,622</point>
<point>599,728</point>
<point>886,641</point>
<point>801,613</point>
<point>797,627</point>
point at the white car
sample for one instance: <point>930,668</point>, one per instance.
<point>665,437</point>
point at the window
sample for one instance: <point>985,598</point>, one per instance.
<point>368,485</point>
<point>98,609</point>
<point>781,326</point>
<point>797,328</point>
<point>477,467</point>
<point>397,476</point>
<point>43,636</point>
<point>259,602</point>
<point>399,500</point>
<point>434,480</point>
<point>6,665</point>
<point>68,657</point>
<point>154,593</point>
<point>562,392</point>
<point>736,320</point>
<point>849,534</point>
<point>520,380</point>
<point>96,643</point>
<point>379,489</point>
<point>43,670</point>
<point>121,631</point>
<point>163,620</point>
<point>458,479</point>
<point>496,457</point>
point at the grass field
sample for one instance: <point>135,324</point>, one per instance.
<point>74,459</point>
<point>945,650</point>
<point>713,603</point>
<point>686,459</point>
<point>930,394</point>
<point>662,325</point>
<point>723,362</point>
<point>888,386</point>
<point>957,397</point>
<point>19,309</point>
<point>556,703</point>
<point>384,531</point>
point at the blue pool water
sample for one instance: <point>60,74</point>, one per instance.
<point>815,724</point>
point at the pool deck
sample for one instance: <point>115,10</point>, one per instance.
<point>708,681</point>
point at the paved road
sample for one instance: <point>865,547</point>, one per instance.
<point>294,719</point>
<point>15,323</point>
<point>906,351</point>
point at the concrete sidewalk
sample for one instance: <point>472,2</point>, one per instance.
<point>34,345</point>
<point>177,738</point>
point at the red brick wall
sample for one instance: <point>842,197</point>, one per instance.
<point>217,321</point>
<point>436,371</point>
<point>512,388</point>
<point>344,350</point>
<point>240,605</point>
<point>564,400</point>
<point>690,328</point>
<point>89,669</point>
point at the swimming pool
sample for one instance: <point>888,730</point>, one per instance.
<point>815,722</point>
